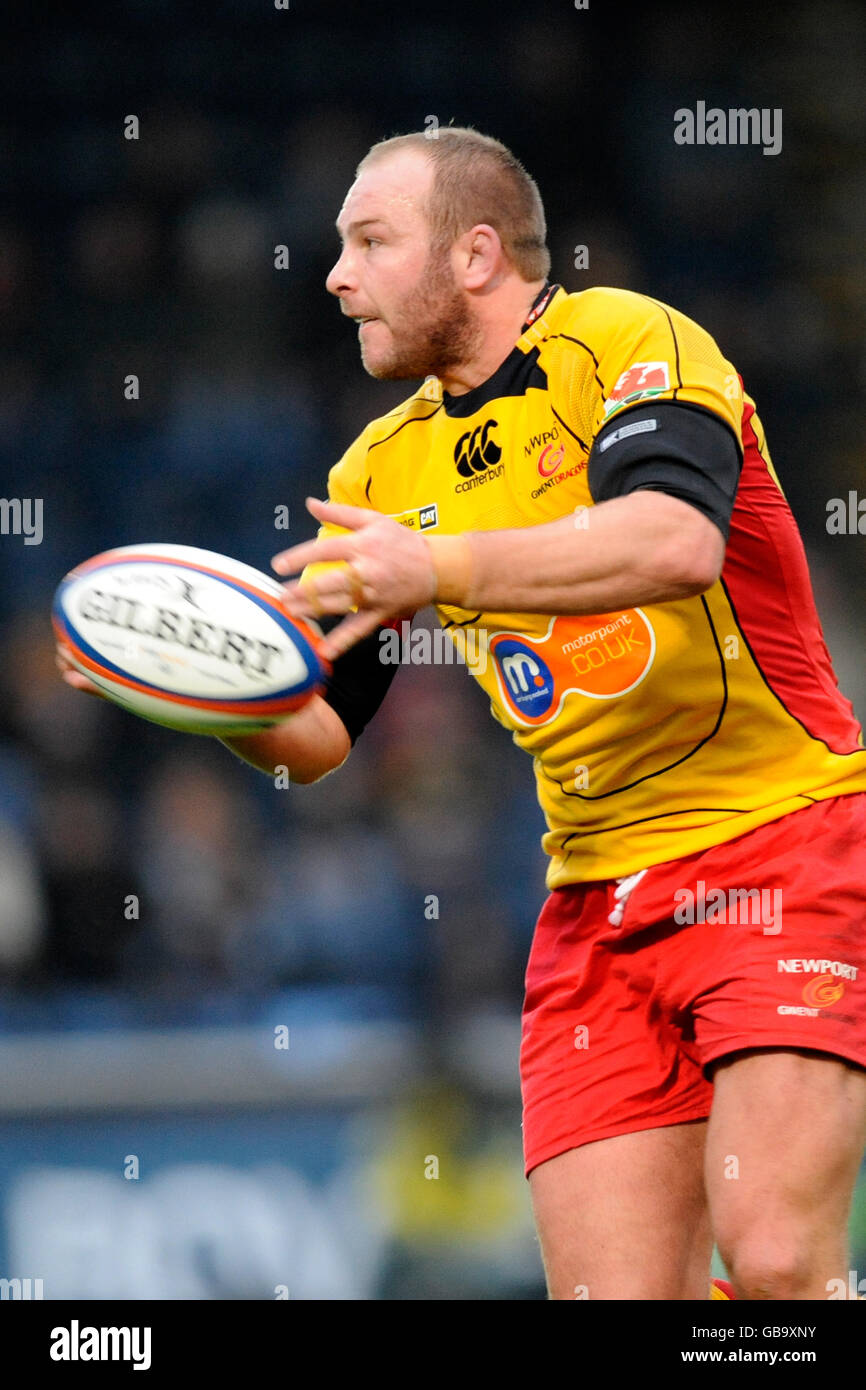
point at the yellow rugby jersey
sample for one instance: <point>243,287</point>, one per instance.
<point>659,731</point>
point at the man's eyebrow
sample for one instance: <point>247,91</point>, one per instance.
<point>356,226</point>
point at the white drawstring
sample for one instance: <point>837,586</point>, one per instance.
<point>625,887</point>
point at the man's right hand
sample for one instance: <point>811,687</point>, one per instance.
<point>310,743</point>
<point>73,676</point>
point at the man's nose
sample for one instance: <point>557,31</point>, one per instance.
<point>341,279</point>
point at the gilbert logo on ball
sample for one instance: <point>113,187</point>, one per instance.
<point>188,638</point>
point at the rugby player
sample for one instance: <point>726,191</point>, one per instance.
<point>582,481</point>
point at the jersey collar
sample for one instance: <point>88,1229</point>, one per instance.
<point>519,368</point>
<point>539,304</point>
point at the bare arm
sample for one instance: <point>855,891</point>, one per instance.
<point>644,548</point>
<point>309,744</point>
<point>647,547</point>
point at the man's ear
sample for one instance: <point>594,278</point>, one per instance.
<point>479,256</point>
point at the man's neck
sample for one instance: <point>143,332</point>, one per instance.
<point>499,330</point>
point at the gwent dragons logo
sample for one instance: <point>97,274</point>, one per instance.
<point>824,989</point>
<point>477,456</point>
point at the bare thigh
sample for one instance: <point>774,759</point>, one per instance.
<point>784,1144</point>
<point>626,1218</point>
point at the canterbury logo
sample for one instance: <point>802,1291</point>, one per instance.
<point>476,450</point>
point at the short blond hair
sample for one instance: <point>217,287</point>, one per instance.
<point>477,179</point>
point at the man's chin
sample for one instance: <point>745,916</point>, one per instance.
<point>388,369</point>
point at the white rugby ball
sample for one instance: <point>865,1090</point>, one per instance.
<point>188,638</point>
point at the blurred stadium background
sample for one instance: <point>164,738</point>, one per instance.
<point>153,1039</point>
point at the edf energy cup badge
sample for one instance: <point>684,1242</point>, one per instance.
<point>598,657</point>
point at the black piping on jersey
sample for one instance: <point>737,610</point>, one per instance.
<point>747,424</point>
<point>513,377</point>
<point>413,420</point>
<point>775,694</point>
<point>760,452</point>
<point>660,815</point>
<point>465,623</point>
<point>398,409</point>
<point>676,344</point>
<point>648,776</point>
<point>570,431</point>
<point>516,362</point>
<point>568,339</point>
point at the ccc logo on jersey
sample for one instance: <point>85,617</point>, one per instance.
<point>477,450</point>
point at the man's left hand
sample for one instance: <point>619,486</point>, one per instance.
<point>387,571</point>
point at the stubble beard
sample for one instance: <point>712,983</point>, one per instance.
<point>435,332</point>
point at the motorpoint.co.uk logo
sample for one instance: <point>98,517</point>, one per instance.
<point>527,679</point>
<point>601,658</point>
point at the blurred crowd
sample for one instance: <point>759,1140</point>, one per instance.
<point>138,863</point>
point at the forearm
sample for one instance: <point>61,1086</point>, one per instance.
<point>308,744</point>
<point>641,548</point>
<point>645,548</point>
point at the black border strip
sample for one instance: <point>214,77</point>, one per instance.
<point>413,420</point>
<point>661,770</point>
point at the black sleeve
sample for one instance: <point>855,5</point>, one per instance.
<point>361,678</point>
<point>671,447</point>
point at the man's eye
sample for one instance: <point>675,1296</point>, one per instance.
<point>372,241</point>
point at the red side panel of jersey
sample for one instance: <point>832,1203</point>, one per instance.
<point>767,578</point>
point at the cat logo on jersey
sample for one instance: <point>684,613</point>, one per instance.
<point>637,383</point>
<point>418,518</point>
<point>600,658</point>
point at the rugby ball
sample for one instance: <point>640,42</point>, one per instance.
<point>188,638</point>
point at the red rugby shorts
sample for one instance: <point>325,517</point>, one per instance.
<point>760,942</point>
